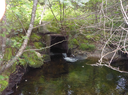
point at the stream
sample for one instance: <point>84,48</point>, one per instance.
<point>59,77</point>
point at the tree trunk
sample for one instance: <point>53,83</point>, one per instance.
<point>19,53</point>
<point>2,38</point>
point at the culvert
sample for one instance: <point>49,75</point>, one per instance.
<point>58,43</point>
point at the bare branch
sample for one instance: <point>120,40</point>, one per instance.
<point>52,11</point>
<point>45,47</point>
<point>44,8</point>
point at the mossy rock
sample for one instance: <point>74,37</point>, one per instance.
<point>46,57</point>
<point>32,59</point>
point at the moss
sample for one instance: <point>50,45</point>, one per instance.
<point>35,37</point>
<point>89,36</point>
<point>46,57</point>
<point>81,39</point>
<point>54,27</point>
<point>32,59</point>
<point>3,85</point>
<point>4,77</point>
<point>22,62</point>
<point>89,47</point>
<point>85,41</point>
<point>38,45</point>
<point>73,42</point>
<point>3,82</point>
<point>9,53</point>
<point>97,37</point>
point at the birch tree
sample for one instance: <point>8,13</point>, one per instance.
<point>19,53</point>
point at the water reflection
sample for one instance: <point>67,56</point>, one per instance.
<point>121,83</point>
<point>61,78</point>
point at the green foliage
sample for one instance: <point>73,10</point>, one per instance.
<point>46,57</point>
<point>3,82</point>
<point>25,37</point>
<point>20,12</point>
<point>20,9</point>
<point>3,34</point>
<point>1,77</point>
<point>22,62</point>
<point>85,46</point>
<point>16,43</point>
<point>73,42</point>
<point>17,40</point>
<point>38,45</point>
<point>89,36</point>
<point>82,42</point>
<point>69,12</point>
<point>78,2</point>
<point>36,40</point>
<point>9,53</point>
<point>95,1</point>
<point>35,37</point>
<point>54,27</point>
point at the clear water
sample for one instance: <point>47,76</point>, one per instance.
<point>62,78</point>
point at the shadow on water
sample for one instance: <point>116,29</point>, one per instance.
<point>59,77</point>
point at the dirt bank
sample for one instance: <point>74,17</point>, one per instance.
<point>14,79</point>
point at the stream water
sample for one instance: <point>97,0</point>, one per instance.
<point>59,77</point>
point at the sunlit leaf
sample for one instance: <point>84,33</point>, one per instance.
<point>1,77</point>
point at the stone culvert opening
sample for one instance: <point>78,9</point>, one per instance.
<point>61,47</point>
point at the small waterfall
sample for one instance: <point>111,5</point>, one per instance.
<point>69,59</point>
<point>64,54</point>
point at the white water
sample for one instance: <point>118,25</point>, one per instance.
<point>69,59</point>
